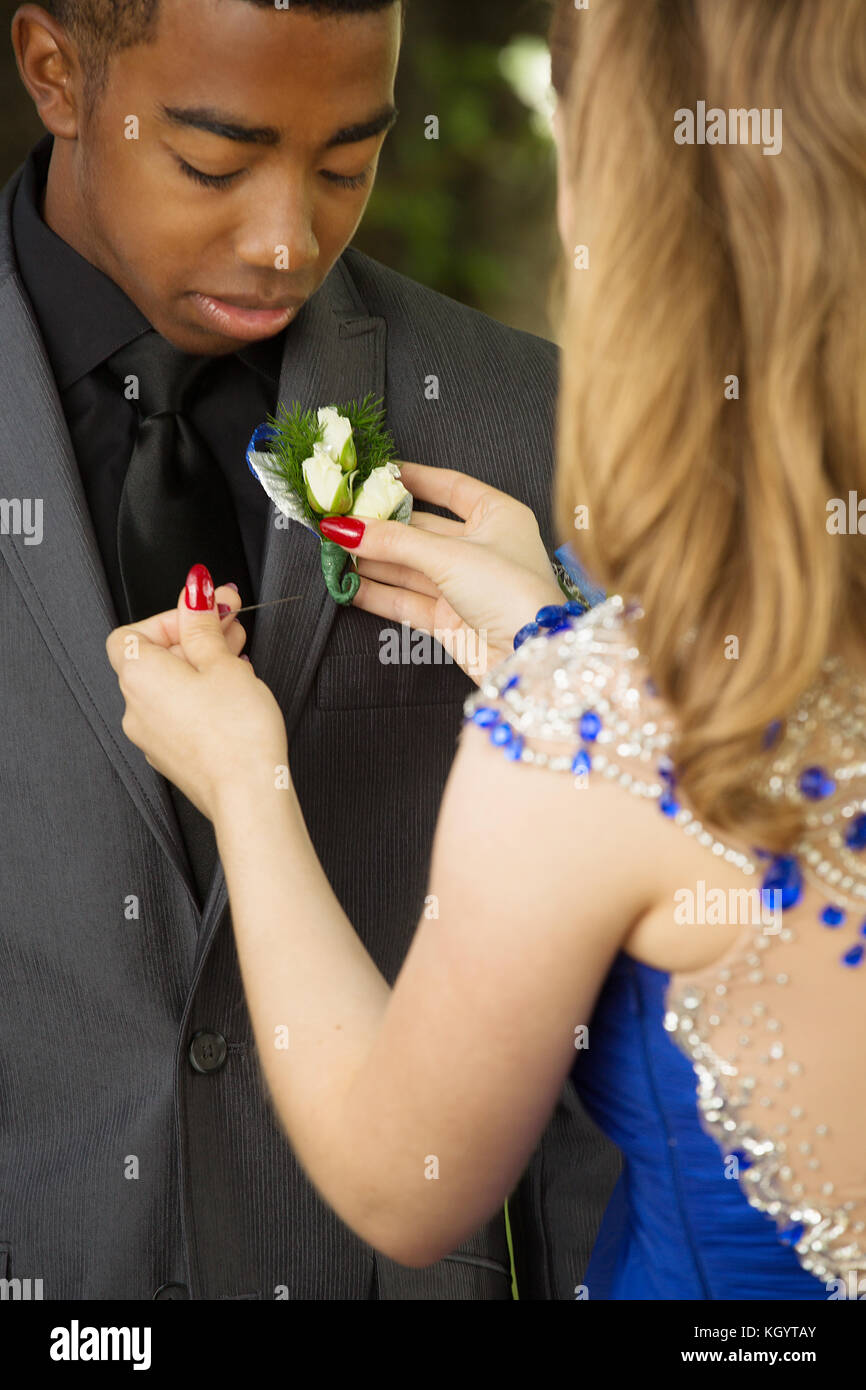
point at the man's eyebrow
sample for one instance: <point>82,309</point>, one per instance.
<point>221,123</point>
<point>354,134</point>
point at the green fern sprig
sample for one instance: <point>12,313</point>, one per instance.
<point>298,431</point>
<point>374,443</point>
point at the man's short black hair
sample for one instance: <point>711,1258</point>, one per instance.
<point>101,28</point>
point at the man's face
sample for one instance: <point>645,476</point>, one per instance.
<point>319,89</point>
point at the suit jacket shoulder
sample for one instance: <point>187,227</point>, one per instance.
<point>463,390</point>
<point>437,321</point>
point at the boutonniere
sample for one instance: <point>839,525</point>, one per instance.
<point>334,461</point>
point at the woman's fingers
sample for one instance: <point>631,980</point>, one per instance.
<point>434,617</point>
<point>423,551</point>
<point>398,576</point>
<point>236,636</point>
<point>445,487</point>
<point>162,628</point>
<point>439,525</point>
<point>397,605</point>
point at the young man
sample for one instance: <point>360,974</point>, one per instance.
<point>173,262</point>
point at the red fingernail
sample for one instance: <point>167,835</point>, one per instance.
<point>235,587</point>
<point>347,531</point>
<point>199,589</point>
<point>224,608</point>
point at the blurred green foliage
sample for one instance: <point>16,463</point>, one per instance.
<point>472,212</point>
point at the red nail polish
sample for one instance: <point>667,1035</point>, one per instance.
<point>235,587</point>
<point>199,589</point>
<point>224,608</point>
<point>347,531</point>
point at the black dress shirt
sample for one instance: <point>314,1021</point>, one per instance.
<point>84,317</point>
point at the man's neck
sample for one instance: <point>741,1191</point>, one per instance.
<point>57,207</point>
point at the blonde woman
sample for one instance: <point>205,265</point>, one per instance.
<point>625,774</point>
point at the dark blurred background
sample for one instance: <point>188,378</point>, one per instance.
<point>471,214</point>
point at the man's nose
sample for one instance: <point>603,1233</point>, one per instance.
<point>278,234</point>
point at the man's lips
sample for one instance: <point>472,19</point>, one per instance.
<point>244,316</point>
<point>251,301</point>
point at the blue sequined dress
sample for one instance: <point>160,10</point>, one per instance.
<point>735,1093</point>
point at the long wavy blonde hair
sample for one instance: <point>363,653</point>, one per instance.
<point>707,497</point>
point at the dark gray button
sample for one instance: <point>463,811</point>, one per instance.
<point>171,1291</point>
<point>208,1052</point>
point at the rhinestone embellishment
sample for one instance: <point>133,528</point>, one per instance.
<point>592,705</point>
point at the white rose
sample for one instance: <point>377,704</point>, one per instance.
<point>381,495</point>
<point>338,440</point>
<point>329,489</point>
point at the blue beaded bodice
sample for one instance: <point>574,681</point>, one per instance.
<point>772,1031</point>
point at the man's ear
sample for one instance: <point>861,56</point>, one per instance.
<point>49,66</point>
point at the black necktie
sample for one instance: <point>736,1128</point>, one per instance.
<point>175,511</point>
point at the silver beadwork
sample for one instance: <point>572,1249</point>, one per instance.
<point>593,664</point>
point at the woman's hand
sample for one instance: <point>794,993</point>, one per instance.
<point>471,583</point>
<point>205,722</point>
<point>163,628</point>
